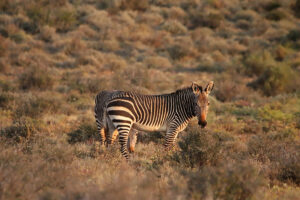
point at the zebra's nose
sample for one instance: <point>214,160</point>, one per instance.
<point>202,123</point>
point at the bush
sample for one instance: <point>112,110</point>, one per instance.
<point>281,152</point>
<point>36,78</point>
<point>84,133</point>
<point>174,27</point>
<point>277,79</point>
<point>19,130</point>
<point>276,15</point>
<point>296,8</point>
<point>272,5</point>
<point>5,99</point>
<point>34,107</point>
<point>47,13</point>
<point>232,181</point>
<point>294,35</point>
<point>198,148</point>
<point>212,20</point>
<point>257,63</point>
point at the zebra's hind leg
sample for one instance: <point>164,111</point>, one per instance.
<point>132,140</point>
<point>102,135</point>
<point>123,139</point>
<point>114,136</point>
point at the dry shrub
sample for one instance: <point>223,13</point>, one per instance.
<point>211,20</point>
<point>296,8</point>
<point>272,5</point>
<point>293,35</point>
<point>5,100</point>
<point>36,78</point>
<point>276,15</point>
<point>231,181</point>
<point>110,45</point>
<point>280,151</point>
<point>75,47</point>
<point>228,89</point>
<point>182,47</point>
<point>47,33</point>
<point>174,27</point>
<point>35,107</point>
<point>116,64</point>
<point>86,84</point>
<point>248,15</point>
<point>46,13</point>
<point>20,130</point>
<point>157,62</point>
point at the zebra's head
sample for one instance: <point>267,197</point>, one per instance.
<point>202,102</point>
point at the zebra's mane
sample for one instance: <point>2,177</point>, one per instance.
<point>183,90</point>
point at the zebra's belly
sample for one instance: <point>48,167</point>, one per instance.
<point>143,127</point>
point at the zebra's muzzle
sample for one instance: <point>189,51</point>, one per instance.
<point>202,123</point>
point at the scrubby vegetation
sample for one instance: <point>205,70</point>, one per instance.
<point>56,55</point>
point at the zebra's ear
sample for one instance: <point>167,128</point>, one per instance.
<point>196,88</point>
<point>209,87</point>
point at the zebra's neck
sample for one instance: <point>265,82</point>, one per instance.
<point>186,100</point>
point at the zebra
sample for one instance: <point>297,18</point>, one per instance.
<point>167,112</point>
<point>108,134</point>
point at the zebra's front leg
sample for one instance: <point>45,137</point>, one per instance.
<point>170,138</point>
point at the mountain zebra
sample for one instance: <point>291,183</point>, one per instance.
<point>107,132</point>
<point>167,112</point>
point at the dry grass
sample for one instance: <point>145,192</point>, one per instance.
<point>56,56</point>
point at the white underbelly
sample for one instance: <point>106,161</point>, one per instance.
<point>143,127</point>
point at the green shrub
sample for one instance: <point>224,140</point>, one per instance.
<point>84,133</point>
<point>276,79</point>
<point>256,63</point>
<point>294,35</point>
<point>36,78</point>
<point>198,148</point>
<point>231,181</point>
